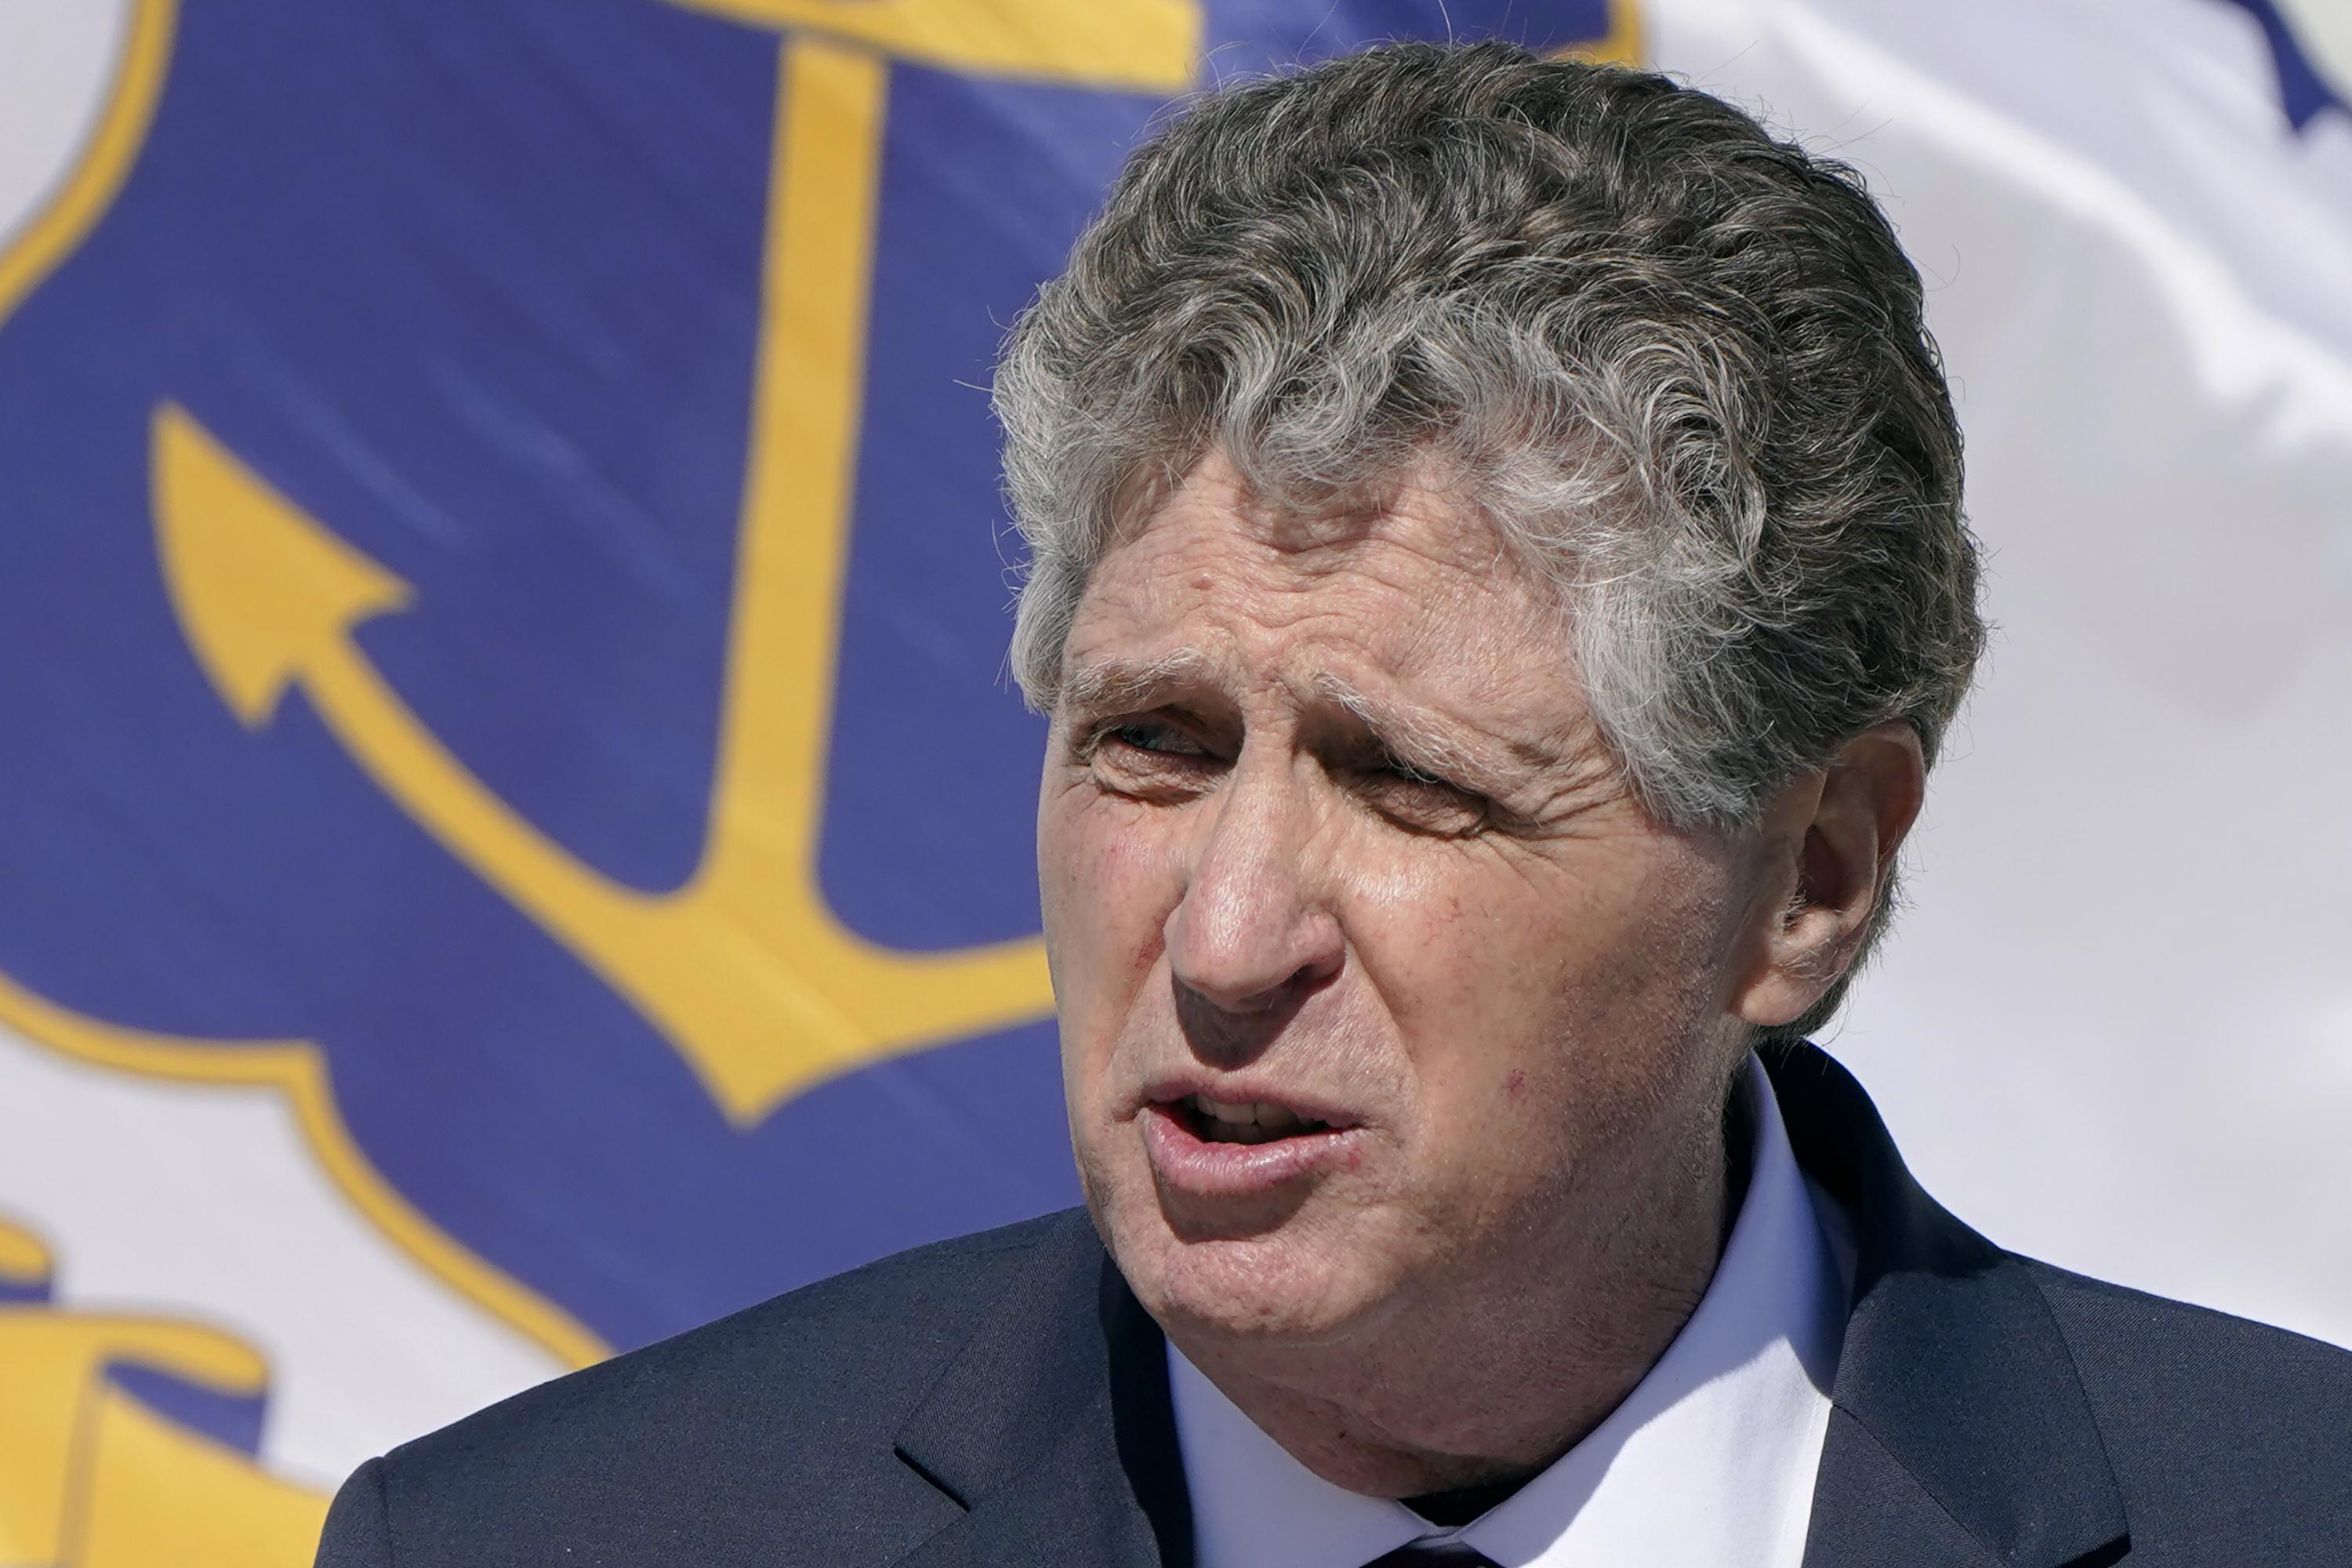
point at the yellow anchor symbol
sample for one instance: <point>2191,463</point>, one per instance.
<point>744,967</point>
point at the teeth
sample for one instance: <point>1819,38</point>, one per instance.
<point>1247,1121</point>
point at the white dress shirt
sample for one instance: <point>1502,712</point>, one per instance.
<point>1709,1463</point>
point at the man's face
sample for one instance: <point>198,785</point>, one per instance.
<point>1378,991</point>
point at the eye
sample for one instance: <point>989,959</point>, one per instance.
<point>1143,735</point>
<point>1149,759</point>
<point>1421,801</point>
<point>1396,767</point>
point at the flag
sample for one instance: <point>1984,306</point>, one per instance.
<point>516,825</point>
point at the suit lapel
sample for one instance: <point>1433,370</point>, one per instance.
<point>1961,1434</point>
<point>1870,1510</point>
<point>1053,1428</point>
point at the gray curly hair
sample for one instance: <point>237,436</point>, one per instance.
<point>1679,364</point>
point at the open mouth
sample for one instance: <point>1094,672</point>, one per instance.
<point>1249,1122</point>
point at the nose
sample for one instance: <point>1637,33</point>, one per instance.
<point>1253,932</point>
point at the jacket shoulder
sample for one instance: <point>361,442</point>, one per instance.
<point>779,1416</point>
<point>2228,1436</point>
<point>893,1317</point>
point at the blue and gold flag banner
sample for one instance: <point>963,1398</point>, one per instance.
<point>515,828</point>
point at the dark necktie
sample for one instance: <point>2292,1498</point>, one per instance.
<point>1453,1555</point>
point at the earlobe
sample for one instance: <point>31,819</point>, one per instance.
<point>1830,840</point>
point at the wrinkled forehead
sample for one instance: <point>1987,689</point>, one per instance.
<point>1409,591</point>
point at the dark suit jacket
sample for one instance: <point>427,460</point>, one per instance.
<point>1001,1399</point>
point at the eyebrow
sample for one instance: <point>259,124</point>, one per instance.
<point>1102,685</point>
<point>1414,740</point>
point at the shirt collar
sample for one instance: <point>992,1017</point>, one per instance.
<point>1710,1459</point>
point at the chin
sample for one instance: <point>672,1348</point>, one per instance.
<point>1292,1283</point>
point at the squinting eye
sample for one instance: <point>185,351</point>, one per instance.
<point>1424,802</point>
<point>1146,761</point>
<point>1404,772</point>
<point>1165,740</point>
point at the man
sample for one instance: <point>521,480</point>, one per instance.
<point>1498,585</point>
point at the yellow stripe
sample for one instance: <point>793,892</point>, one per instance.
<point>1144,46</point>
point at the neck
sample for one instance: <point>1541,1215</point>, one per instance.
<point>1503,1371</point>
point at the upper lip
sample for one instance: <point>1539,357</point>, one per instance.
<point>1248,1091</point>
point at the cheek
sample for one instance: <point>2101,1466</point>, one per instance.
<point>1448,944</point>
<point>1106,884</point>
<point>1519,994</point>
<point>1463,973</point>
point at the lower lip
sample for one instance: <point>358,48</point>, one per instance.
<point>1194,1165</point>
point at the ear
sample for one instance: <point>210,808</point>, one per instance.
<point>1825,856</point>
